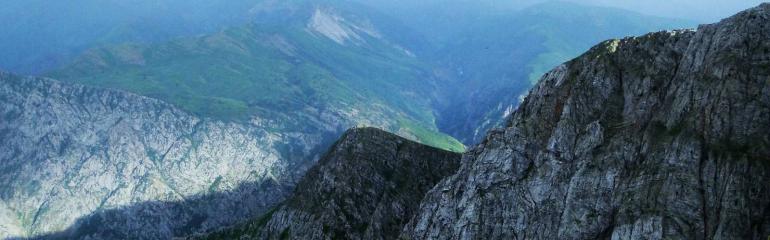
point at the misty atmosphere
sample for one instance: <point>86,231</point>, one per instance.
<point>702,11</point>
<point>384,119</point>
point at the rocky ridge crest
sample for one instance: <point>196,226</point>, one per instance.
<point>366,187</point>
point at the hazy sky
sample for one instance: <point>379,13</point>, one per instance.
<point>705,11</point>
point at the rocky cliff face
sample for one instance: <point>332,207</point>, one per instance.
<point>366,187</point>
<point>69,150</point>
<point>663,136</point>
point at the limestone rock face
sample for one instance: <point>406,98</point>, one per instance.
<point>663,136</point>
<point>144,168</point>
<point>366,187</point>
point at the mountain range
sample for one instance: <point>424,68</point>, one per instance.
<point>228,124</point>
<point>424,74</point>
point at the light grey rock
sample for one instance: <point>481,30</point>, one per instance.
<point>663,136</point>
<point>147,169</point>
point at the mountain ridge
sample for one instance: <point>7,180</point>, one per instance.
<point>494,76</point>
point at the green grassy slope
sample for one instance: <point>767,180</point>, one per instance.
<point>275,73</point>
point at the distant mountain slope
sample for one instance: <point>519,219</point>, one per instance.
<point>662,136</point>
<point>39,35</point>
<point>67,151</point>
<point>366,187</point>
<point>317,60</point>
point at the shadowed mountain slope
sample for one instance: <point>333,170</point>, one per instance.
<point>366,187</point>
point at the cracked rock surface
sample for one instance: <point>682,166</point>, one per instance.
<point>663,136</point>
<point>139,165</point>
